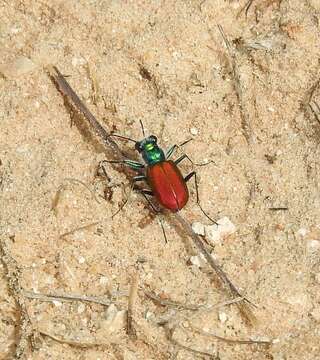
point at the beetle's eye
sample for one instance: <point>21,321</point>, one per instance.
<point>138,146</point>
<point>153,138</point>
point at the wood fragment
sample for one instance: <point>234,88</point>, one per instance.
<point>57,197</point>
<point>66,297</point>
<point>245,125</point>
<point>228,340</point>
<point>24,330</point>
<point>131,302</point>
<point>170,333</point>
<point>243,307</point>
<point>71,342</point>
<point>176,304</point>
<point>245,8</point>
<point>280,208</point>
<point>84,227</point>
<point>166,302</point>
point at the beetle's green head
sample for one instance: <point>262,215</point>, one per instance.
<point>150,151</point>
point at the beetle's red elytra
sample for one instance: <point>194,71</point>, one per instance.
<point>168,185</point>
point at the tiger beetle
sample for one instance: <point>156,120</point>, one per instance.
<point>163,176</point>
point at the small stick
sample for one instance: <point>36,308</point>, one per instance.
<point>62,187</point>
<point>84,227</point>
<point>66,90</point>
<point>165,302</point>
<point>281,208</point>
<point>245,8</point>
<point>244,309</point>
<point>227,340</point>
<point>24,327</point>
<point>52,297</point>
<point>132,298</point>
<point>170,332</point>
<point>246,129</point>
<point>80,344</point>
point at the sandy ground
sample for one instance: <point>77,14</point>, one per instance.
<point>251,110</point>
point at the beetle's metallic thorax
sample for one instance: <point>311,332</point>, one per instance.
<point>150,151</point>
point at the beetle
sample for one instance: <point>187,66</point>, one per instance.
<point>166,182</point>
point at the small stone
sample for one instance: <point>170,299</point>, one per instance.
<point>150,316</point>
<point>198,260</point>
<point>301,301</point>
<point>216,233</point>
<point>260,338</point>
<point>315,313</point>
<point>194,131</point>
<point>103,280</point>
<point>223,317</point>
<point>313,246</point>
<point>78,61</point>
<point>114,320</point>
<point>20,66</point>
<point>57,303</point>
<point>317,278</point>
<point>81,308</point>
<point>81,260</point>
<point>198,228</point>
<point>302,232</point>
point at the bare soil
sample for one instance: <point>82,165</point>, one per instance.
<point>253,112</point>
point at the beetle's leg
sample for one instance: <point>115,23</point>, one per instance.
<point>186,179</point>
<point>182,157</point>
<point>139,178</point>
<point>170,151</point>
<point>146,193</point>
<point>131,163</point>
<point>101,171</point>
<point>175,147</point>
<point>101,166</point>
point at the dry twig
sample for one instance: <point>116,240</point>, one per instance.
<point>131,301</point>
<point>84,227</point>
<point>246,129</point>
<point>24,330</point>
<point>66,297</point>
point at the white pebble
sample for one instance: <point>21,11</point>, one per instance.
<point>313,246</point>
<point>194,131</point>
<point>300,300</point>
<point>114,320</point>
<point>57,303</point>
<point>302,232</point>
<point>198,228</point>
<point>78,60</point>
<point>315,313</point>
<point>20,66</point>
<point>81,308</point>
<point>223,317</point>
<point>198,260</point>
<point>150,316</point>
<point>81,260</point>
<point>103,280</point>
<point>216,233</point>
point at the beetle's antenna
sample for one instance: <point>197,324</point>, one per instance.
<point>123,137</point>
<point>142,128</point>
